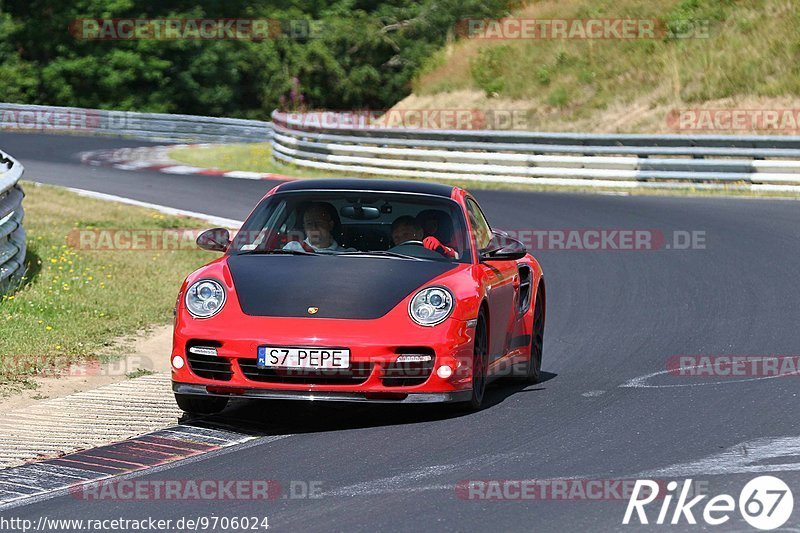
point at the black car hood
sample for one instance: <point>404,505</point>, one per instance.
<point>340,287</point>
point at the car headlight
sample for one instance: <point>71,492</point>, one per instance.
<point>205,298</point>
<point>431,306</point>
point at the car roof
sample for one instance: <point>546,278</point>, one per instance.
<point>361,184</point>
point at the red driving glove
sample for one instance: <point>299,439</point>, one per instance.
<point>432,243</point>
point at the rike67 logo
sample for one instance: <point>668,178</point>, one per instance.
<point>765,503</point>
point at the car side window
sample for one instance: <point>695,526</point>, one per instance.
<point>483,233</point>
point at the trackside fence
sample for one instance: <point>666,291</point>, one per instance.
<point>594,160</point>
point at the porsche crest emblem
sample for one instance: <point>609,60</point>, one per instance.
<point>313,310</point>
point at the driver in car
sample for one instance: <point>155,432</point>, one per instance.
<point>319,219</point>
<point>406,228</point>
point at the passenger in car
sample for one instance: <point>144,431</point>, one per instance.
<point>406,228</point>
<point>436,223</point>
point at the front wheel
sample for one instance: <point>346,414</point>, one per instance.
<point>200,405</point>
<point>480,362</point>
<point>534,367</point>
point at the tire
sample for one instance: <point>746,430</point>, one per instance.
<point>200,405</point>
<point>533,372</point>
<point>480,362</point>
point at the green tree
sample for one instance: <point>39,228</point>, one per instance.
<point>360,54</point>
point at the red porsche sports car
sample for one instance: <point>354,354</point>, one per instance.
<point>358,290</point>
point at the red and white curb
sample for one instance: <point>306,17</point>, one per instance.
<point>146,453</point>
<point>58,426</point>
<point>114,431</point>
<point>156,158</point>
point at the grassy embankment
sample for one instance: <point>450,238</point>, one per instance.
<point>749,60</point>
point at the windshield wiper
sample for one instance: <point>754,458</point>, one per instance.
<point>384,253</point>
<point>276,252</point>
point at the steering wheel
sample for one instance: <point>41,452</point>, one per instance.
<point>417,243</point>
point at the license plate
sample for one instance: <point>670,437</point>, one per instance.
<point>285,357</point>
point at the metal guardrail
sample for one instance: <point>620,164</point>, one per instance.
<point>602,160</point>
<point>622,160</point>
<point>159,127</point>
<point>12,234</point>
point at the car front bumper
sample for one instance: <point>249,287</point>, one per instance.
<point>337,396</point>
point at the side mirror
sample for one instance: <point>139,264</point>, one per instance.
<point>215,240</point>
<point>503,248</point>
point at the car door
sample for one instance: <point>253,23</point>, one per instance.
<point>501,280</point>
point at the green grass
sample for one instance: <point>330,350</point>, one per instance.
<point>251,157</point>
<point>76,303</point>
<point>257,157</point>
<point>139,372</point>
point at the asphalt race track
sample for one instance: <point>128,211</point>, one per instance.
<point>613,316</point>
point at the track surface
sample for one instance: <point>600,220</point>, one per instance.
<point>612,316</point>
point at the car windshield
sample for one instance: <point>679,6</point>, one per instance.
<point>356,224</point>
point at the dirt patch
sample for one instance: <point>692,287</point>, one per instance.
<point>145,353</point>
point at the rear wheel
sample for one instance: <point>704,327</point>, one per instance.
<point>534,370</point>
<point>200,405</point>
<point>480,361</point>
